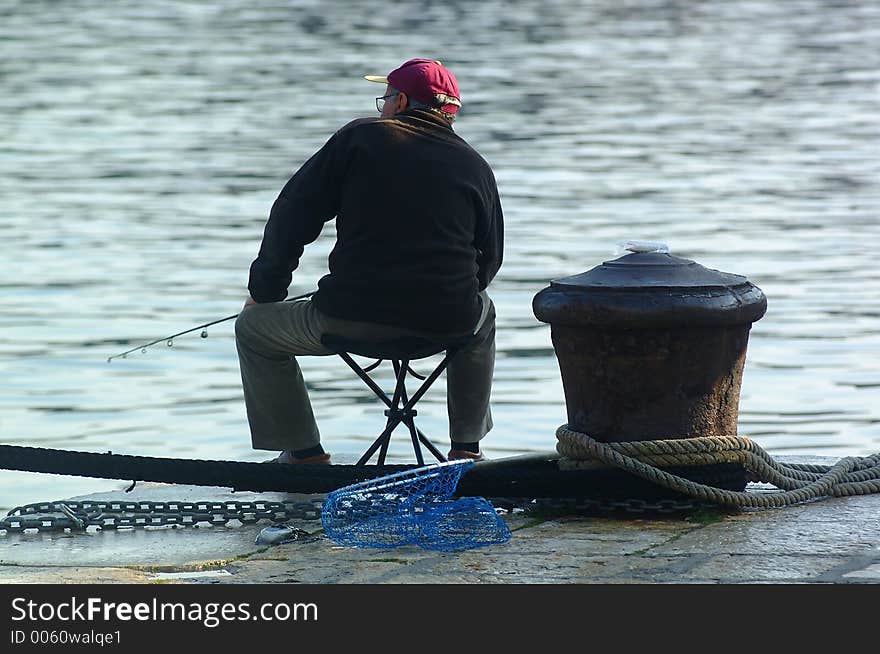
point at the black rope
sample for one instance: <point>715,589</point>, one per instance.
<point>239,475</point>
<point>532,476</point>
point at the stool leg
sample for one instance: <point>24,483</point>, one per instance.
<point>401,368</point>
<point>427,443</point>
<point>414,432</point>
<point>373,386</point>
<point>365,378</point>
<point>395,412</point>
<point>430,380</point>
<point>382,438</point>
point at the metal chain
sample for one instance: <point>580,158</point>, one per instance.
<point>79,516</point>
<point>602,505</point>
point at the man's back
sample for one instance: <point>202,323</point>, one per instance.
<point>419,224</point>
<point>417,203</point>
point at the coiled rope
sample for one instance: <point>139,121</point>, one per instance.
<point>799,482</point>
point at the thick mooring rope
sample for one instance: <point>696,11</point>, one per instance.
<point>799,482</point>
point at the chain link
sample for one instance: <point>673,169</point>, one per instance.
<point>79,516</point>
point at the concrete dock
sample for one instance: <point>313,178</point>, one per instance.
<point>828,541</point>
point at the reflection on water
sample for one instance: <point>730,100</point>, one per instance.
<point>144,144</point>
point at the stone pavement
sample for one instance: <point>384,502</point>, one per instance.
<point>829,541</point>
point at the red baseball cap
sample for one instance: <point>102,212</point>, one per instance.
<point>425,80</point>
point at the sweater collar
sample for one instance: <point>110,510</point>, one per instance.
<point>426,115</point>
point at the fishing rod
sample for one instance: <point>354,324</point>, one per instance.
<point>170,339</point>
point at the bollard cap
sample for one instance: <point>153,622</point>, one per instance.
<point>651,269</point>
<point>650,288</point>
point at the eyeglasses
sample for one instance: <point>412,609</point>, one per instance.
<point>380,102</point>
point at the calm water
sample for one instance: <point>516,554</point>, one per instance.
<point>143,144</point>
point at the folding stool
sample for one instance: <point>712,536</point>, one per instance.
<point>401,408</point>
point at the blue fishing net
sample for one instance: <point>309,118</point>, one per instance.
<point>413,507</point>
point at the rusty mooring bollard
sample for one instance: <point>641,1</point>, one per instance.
<point>651,346</point>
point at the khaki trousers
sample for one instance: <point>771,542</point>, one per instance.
<point>270,336</point>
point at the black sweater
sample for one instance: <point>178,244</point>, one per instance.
<point>418,221</point>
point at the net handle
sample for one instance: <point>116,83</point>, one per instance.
<point>404,477</point>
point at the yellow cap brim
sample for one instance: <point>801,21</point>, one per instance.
<point>376,78</point>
